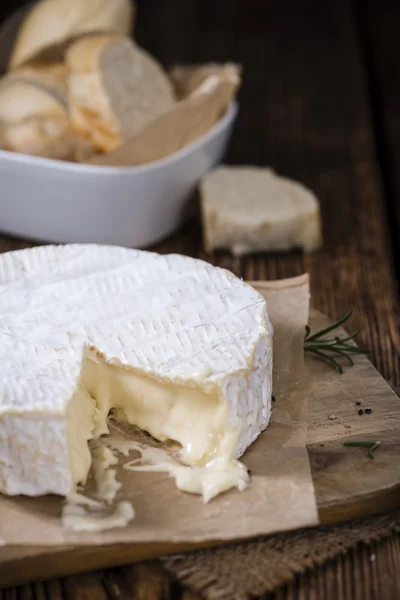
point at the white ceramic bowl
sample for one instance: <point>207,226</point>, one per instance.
<point>61,202</point>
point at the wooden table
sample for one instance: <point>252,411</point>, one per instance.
<point>320,103</point>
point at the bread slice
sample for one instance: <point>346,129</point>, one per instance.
<point>251,209</point>
<point>115,89</point>
<point>51,24</point>
<point>53,77</point>
<point>33,121</point>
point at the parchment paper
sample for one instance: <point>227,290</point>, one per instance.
<point>280,496</point>
<point>208,92</point>
<point>187,78</point>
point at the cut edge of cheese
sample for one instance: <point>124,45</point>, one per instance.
<point>186,414</point>
<point>197,419</point>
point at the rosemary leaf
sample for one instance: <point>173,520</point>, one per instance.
<point>331,349</point>
<point>335,325</point>
<point>322,343</point>
<point>328,359</point>
<point>351,337</point>
<point>348,358</point>
<point>370,445</point>
<point>356,349</point>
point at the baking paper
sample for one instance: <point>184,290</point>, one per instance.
<point>280,496</point>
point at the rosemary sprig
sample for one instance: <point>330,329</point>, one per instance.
<point>370,445</point>
<point>331,349</point>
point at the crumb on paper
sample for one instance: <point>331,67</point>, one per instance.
<point>332,417</point>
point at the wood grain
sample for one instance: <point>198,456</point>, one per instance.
<point>378,26</point>
<point>305,113</point>
<point>306,109</point>
<point>348,484</point>
<point>365,573</point>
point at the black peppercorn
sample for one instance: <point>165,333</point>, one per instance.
<point>368,411</point>
<point>361,412</point>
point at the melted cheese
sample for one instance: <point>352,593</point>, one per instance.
<point>107,485</point>
<point>215,477</point>
<point>81,513</point>
<point>197,420</point>
<point>188,415</point>
<point>77,518</point>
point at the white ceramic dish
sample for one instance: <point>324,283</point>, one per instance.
<point>60,202</point>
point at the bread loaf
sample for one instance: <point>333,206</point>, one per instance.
<point>251,209</point>
<point>51,24</point>
<point>115,89</point>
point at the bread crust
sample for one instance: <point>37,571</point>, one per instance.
<point>92,112</point>
<point>51,24</point>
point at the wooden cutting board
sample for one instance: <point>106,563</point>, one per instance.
<point>348,484</point>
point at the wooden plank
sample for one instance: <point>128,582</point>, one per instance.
<point>304,110</point>
<point>364,573</point>
<point>144,582</point>
<point>378,25</point>
<point>347,482</point>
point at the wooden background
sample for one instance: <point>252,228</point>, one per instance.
<point>320,103</point>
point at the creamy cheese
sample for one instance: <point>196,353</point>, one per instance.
<point>175,346</point>
<point>78,518</point>
<point>216,476</point>
<point>81,513</point>
<point>107,485</point>
<point>198,420</point>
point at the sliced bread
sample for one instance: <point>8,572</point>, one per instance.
<point>33,121</point>
<point>50,76</point>
<point>115,89</point>
<point>251,209</point>
<point>51,24</point>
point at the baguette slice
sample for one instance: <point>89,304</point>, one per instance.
<point>33,121</point>
<point>53,77</point>
<point>115,89</point>
<point>251,209</point>
<point>51,24</point>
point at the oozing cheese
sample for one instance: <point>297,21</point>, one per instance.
<point>178,347</point>
<point>77,518</point>
<point>198,420</point>
<point>217,475</point>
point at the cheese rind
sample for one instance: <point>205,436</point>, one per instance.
<point>71,316</point>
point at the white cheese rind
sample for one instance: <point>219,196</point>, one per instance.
<point>173,319</point>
